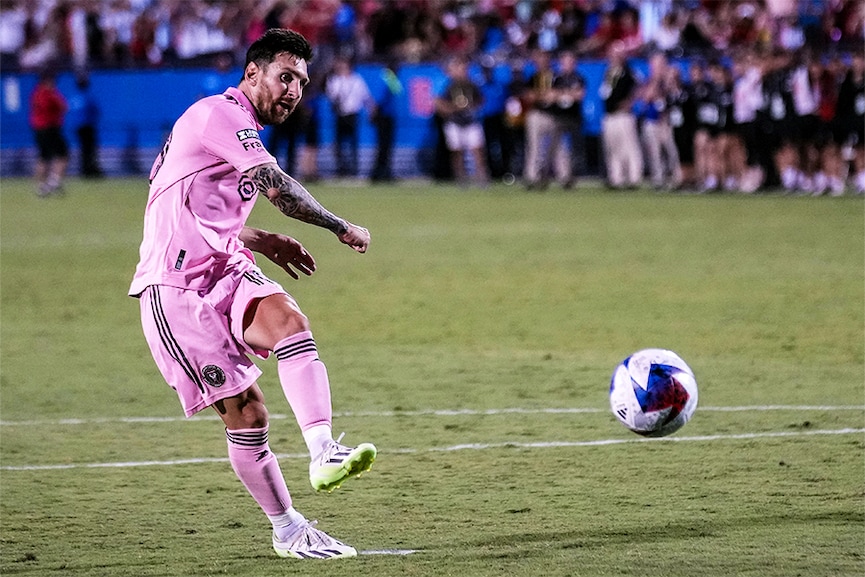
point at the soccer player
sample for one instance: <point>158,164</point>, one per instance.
<point>206,306</point>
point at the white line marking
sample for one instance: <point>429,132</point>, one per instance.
<point>463,447</point>
<point>389,552</point>
<point>423,413</point>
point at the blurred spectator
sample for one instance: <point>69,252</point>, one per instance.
<point>384,119</point>
<point>780,127</point>
<point>682,114</point>
<point>197,30</point>
<point>459,105</point>
<point>514,139</point>
<point>48,44</point>
<point>622,153</point>
<point>544,145</point>
<point>143,48</point>
<point>47,112</point>
<point>807,124</point>
<point>747,102</point>
<point>117,23</point>
<point>833,169</point>
<point>667,36</point>
<point>348,95</point>
<point>84,119</point>
<point>851,112</point>
<point>494,89</point>
<point>570,91</point>
<point>662,155</point>
<point>714,125</point>
<point>13,28</point>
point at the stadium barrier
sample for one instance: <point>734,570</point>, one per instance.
<point>138,107</point>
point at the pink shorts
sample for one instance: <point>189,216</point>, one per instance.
<point>196,337</point>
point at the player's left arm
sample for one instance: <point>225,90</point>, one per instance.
<point>293,200</point>
<point>283,250</point>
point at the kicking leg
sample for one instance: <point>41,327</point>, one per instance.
<point>276,323</point>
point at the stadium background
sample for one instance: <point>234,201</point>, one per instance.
<point>144,80</point>
<point>139,108</point>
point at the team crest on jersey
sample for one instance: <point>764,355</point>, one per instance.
<point>213,375</point>
<point>246,188</point>
<point>247,133</point>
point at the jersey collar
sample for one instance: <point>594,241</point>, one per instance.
<point>236,94</point>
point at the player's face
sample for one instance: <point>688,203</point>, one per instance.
<point>279,87</point>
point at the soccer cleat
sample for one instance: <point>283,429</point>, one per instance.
<point>311,543</point>
<point>337,463</point>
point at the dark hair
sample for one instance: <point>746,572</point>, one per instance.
<point>275,41</point>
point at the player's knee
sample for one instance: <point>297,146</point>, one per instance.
<point>254,416</point>
<point>244,411</point>
<point>284,323</point>
<point>272,320</point>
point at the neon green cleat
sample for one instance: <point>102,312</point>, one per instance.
<point>338,463</point>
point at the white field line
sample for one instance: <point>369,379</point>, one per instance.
<point>389,552</point>
<point>462,447</point>
<point>423,413</point>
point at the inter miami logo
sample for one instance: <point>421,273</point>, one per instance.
<point>213,375</point>
<point>246,188</point>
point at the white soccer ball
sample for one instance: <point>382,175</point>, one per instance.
<point>653,392</point>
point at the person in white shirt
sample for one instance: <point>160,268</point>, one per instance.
<point>348,94</point>
<point>747,103</point>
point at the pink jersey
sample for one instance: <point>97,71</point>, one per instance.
<point>199,197</point>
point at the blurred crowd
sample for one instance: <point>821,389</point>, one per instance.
<point>739,94</point>
<point>148,33</point>
<point>758,119</point>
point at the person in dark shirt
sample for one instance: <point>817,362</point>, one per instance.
<point>459,104</point>
<point>683,119</point>
<point>778,123</point>
<point>851,118</point>
<point>384,119</point>
<point>84,109</point>
<point>540,123</point>
<point>713,102</point>
<point>570,88</point>
<point>622,150</point>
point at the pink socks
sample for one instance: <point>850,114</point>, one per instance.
<point>305,384</point>
<point>258,469</point>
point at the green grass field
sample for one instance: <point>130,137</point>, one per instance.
<point>473,344</point>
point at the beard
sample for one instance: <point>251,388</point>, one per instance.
<point>277,113</point>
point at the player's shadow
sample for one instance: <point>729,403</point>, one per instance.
<point>522,544</point>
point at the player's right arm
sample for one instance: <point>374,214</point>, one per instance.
<point>293,200</point>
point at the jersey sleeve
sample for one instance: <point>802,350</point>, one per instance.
<point>231,135</point>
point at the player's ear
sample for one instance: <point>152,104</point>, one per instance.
<point>252,73</point>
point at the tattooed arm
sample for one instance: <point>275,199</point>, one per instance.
<point>293,200</point>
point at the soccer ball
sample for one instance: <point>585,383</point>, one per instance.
<point>653,392</point>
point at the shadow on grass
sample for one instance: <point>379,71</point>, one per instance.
<point>526,544</point>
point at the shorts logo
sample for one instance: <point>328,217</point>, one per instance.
<point>246,134</point>
<point>213,375</point>
<point>246,188</point>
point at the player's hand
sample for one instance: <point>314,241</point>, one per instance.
<point>357,237</point>
<point>288,254</point>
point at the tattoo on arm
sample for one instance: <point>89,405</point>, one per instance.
<point>292,199</point>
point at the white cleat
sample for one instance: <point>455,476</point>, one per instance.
<point>311,543</point>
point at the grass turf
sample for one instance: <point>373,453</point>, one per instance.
<point>468,300</point>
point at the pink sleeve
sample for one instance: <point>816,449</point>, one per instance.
<point>231,135</point>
